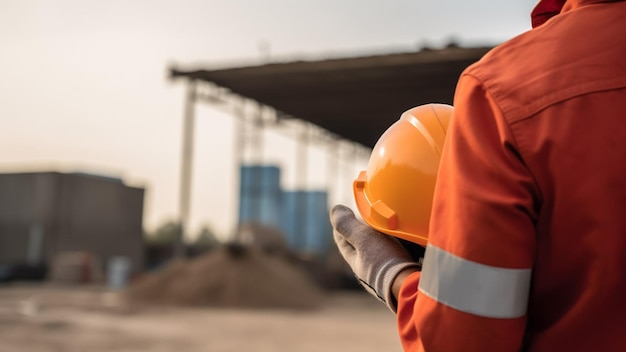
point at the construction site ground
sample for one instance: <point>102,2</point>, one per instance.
<point>47,318</point>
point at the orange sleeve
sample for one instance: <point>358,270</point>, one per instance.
<point>406,301</point>
<point>425,322</point>
<point>483,212</point>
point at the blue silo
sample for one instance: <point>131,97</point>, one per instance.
<point>305,221</point>
<point>260,194</point>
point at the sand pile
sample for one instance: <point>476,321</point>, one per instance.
<point>230,276</point>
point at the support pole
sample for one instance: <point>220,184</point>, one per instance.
<point>186,168</point>
<point>256,135</point>
<point>332,172</point>
<point>239,153</point>
<point>349,174</point>
<point>301,188</point>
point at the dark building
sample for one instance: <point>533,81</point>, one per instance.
<point>45,214</point>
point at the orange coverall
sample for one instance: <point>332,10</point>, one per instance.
<point>527,246</point>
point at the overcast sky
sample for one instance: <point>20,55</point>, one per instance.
<point>83,84</point>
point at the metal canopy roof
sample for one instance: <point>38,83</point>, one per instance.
<point>355,98</point>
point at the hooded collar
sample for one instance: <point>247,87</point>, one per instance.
<point>547,9</point>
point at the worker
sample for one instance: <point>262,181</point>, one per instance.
<point>527,237</point>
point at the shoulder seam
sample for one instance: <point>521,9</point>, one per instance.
<point>526,110</point>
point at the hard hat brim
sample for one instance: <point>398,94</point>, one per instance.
<point>379,216</point>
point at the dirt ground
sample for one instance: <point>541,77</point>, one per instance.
<point>41,317</point>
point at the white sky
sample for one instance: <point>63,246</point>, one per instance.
<point>83,84</point>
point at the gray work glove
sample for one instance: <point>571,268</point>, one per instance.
<point>375,258</point>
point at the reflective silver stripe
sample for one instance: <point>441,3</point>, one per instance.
<point>474,288</point>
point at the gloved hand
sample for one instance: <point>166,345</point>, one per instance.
<point>375,258</point>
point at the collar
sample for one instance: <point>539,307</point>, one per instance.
<point>547,9</point>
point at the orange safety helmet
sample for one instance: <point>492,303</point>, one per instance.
<point>394,195</point>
